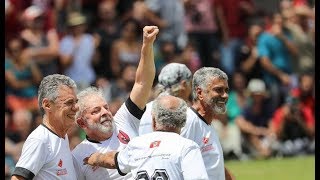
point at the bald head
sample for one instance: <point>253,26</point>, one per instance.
<point>169,102</point>
<point>169,112</point>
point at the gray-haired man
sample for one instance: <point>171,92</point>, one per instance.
<point>46,153</point>
<point>161,154</point>
<point>105,132</point>
<point>210,94</point>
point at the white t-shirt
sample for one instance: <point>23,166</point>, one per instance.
<point>164,155</point>
<point>145,125</point>
<point>203,134</point>
<point>126,127</point>
<point>45,156</point>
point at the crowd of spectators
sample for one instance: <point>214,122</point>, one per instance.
<point>268,55</point>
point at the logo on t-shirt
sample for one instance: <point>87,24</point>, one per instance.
<point>205,140</point>
<point>123,137</point>
<point>61,172</point>
<point>155,144</point>
<point>60,163</point>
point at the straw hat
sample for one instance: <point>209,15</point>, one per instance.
<point>257,86</point>
<point>75,19</point>
<point>32,12</point>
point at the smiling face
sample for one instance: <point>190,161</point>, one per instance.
<point>64,108</point>
<point>215,96</point>
<point>99,120</point>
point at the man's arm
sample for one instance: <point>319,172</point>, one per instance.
<point>146,69</point>
<point>17,178</point>
<point>105,160</point>
<point>248,127</point>
<point>192,158</point>
<point>228,175</point>
<point>268,66</point>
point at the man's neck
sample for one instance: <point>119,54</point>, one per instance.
<point>204,111</point>
<point>57,128</point>
<point>99,137</point>
<point>168,129</point>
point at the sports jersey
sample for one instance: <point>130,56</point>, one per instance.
<point>163,155</point>
<point>145,125</point>
<point>45,156</point>
<point>199,131</point>
<point>206,137</point>
<point>126,127</point>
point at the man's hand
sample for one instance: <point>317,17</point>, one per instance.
<point>105,160</point>
<point>93,159</point>
<point>149,34</point>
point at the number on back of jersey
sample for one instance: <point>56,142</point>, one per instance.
<point>159,174</point>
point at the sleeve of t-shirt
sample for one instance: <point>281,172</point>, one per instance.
<point>246,113</point>
<point>7,65</point>
<point>78,168</point>
<point>309,117</point>
<point>262,46</point>
<point>277,118</point>
<point>145,125</point>
<point>32,159</point>
<point>192,158</point>
<point>122,160</point>
<point>128,116</point>
<point>66,46</point>
<point>189,130</point>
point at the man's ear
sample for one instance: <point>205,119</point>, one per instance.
<point>46,104</point>
<point>199,93</point>
<point>153,122</point>
<point>81,122</point>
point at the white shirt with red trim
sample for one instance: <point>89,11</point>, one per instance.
<point>45,156</point>
<point>164,155</point>
<point>126,127</point>
<point>199,131</point>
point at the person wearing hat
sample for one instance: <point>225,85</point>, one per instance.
<point>254,119</point>
<point>77,50</point>
<point>174,79</point>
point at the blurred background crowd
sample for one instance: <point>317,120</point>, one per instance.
<point>267,48</point>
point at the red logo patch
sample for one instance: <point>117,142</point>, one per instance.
<point>205,140</point>
<point>62,172</point>
<point>123,137</point>
<point>60,163</point>
<point>155,144</point>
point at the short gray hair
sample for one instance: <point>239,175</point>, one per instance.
<point>49,87</point>
<point>203,76</point>
<point>82,95</point>
<point>170,117</point>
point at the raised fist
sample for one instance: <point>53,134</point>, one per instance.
<point>150,33</point>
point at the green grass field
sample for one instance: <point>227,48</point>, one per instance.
<point>295,168</point>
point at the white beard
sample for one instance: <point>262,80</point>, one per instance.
<point>219,109</point>
<point>216,108</point>
<point>105,128</point>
